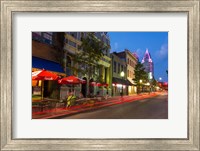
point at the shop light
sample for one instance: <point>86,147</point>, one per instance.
<point>119,85</point>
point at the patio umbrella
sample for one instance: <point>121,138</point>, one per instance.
<point>98,84</point>
<point>71,80</point>
<point>44,75</point>
<point>102,84</point>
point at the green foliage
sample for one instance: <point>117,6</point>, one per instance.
<point>154,82</point>
<point>140,74</point>
<point>90,52</point>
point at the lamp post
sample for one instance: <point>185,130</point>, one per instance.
<point>148,84</point>
<point>122,75</point>
<point>160,79</point>
<point>140,85</point>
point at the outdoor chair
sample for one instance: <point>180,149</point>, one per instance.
<point>36,107</point>
<point>43,106</point>
<point>52,105</point>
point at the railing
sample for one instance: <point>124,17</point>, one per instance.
<point>51,104</point>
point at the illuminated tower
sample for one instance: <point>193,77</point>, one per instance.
<point>148,64</point>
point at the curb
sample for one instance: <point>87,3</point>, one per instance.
<point>94,108</point>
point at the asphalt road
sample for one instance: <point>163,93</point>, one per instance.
<point>152,108</point>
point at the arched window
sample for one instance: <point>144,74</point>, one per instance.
<point>68,65</point>
<point>68,61</point>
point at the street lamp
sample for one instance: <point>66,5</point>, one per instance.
<point>122,75</point>
<point>140,88</point>
<point>148,84</point>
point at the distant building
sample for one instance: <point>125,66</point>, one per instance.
<point>148,64</point>
<point>118,82</point>
<point>131,61</point>
<point>72,42</point>
<point>47,53</point>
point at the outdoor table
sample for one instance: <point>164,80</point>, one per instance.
<point>44,104</point>
<point>36,108</point>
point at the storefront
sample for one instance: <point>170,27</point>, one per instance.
<point>119,86</point>
<point>51,88</point>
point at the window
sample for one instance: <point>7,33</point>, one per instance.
<point>79,36</point>
<point>83,35</point>
<point>73,34</point>
<point>128,73</point>
<point>115,67</point>
<point>38,33</point>
<point>105,75</point>
<point>50,33</point>
<point>98,35</point>
<point>68,65</point>
<point>47,38</point>
<point>68,61</point>
<point>71,43</point>
<point>122,68</point>
<point>118,68</point>
<point>37,36</point>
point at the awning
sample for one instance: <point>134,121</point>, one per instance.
<point>47,65</point>
<point>130,83</point>
<point>98,84</point>
<point>121,81</point>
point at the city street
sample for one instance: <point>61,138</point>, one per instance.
<point>150,108</point>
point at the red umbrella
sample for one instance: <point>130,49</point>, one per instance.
<point>44,75</point>
<point>71,80</point>
<point>102,84</point>
<point>98,84</point>
<point>93,83</point>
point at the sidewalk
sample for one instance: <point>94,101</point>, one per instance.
<point>90,105</point>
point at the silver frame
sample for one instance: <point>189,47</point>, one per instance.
<point>8,7</point>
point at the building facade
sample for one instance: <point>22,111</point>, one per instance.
<point>72,43</point>
<point>131,61</point>
<point>47,52</point>
<point>119,83</point>
<point>148,65</point>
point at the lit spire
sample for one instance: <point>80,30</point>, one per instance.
<point>147,56</point>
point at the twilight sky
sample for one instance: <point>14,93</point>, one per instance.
<point>138,42</point>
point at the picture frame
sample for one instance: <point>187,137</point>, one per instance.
<point>9,7</point>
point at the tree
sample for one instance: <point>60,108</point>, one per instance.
<point>90,52</point>
<point>141,76</point>
<point>154,83</point>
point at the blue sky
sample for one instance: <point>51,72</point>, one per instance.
<point>138,42</point>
